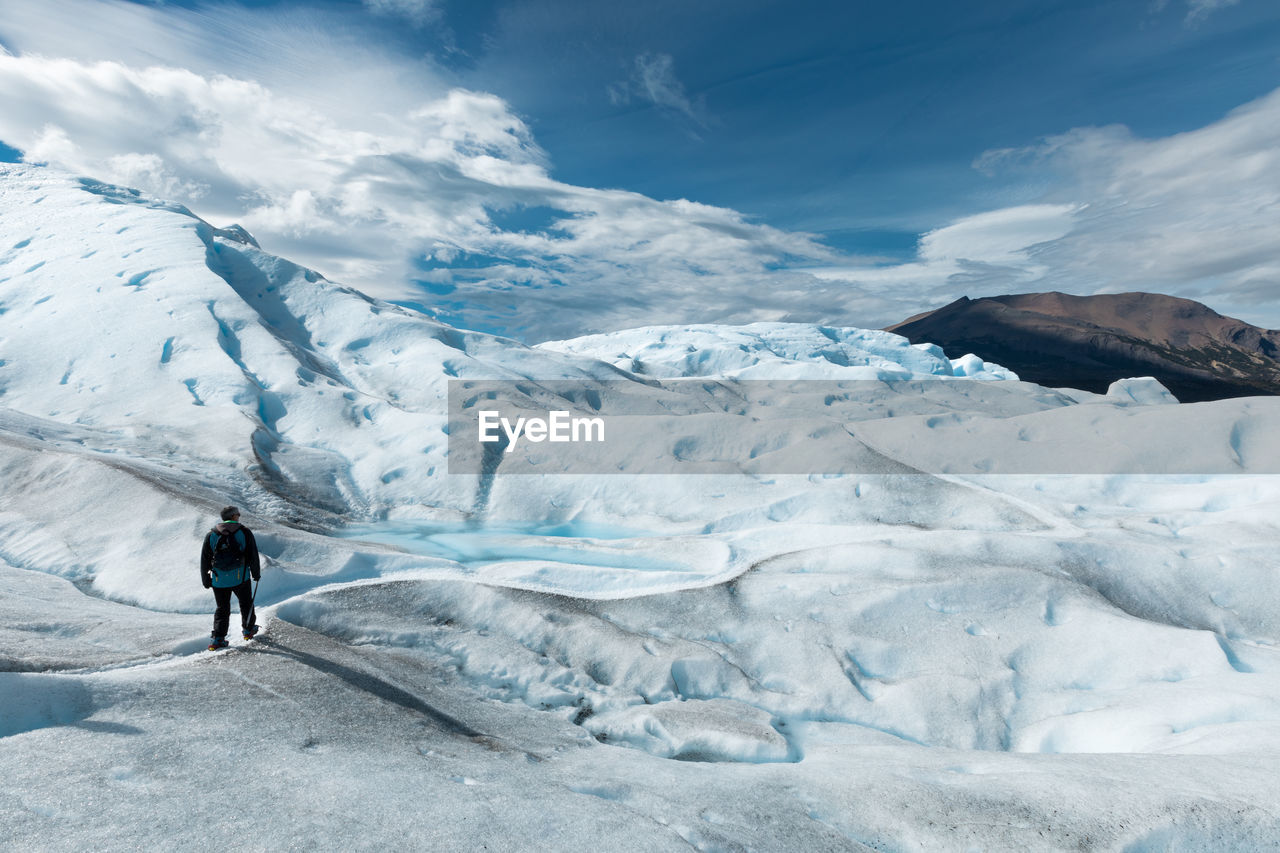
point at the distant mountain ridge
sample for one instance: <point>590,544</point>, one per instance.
<point>1087,342</point>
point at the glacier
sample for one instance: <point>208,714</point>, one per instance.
<point>913,657</point>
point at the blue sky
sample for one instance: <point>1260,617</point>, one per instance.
<point>847,118</point>
<point>545,167</point>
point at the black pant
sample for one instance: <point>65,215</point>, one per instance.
<point>222,613</point>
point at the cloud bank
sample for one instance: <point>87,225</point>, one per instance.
<point>1196,215</point>
<point>442,197</point>
<point>372,169</point>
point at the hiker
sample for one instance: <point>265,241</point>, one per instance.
<point>228,558</point>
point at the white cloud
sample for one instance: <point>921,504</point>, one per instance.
<point>50,144</point>
<point>1196,214</point>
<point>996,250</point>
<point>1001,237</point>
<point>369,168</point>
<point>416,189</point>
<point>137,170</point>
<point>653,79</point>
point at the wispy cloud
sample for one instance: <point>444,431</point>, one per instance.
<point>417,12</point>
<point>981,254</point>
<point>653,80</point>
<point>1197,10</point>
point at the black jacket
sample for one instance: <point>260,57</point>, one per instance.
<point>250,551</point>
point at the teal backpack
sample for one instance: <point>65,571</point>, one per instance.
<point>228,565</point>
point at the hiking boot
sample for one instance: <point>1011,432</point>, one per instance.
<point>218,643</point>
<point>250,633</point>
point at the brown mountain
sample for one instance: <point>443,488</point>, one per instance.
<point>1088,342</point>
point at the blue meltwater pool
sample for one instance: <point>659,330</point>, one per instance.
<point>575,542</point>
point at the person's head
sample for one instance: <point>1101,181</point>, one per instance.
<point>230,513</point>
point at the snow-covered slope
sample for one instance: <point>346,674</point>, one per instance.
<point>150,323</point>
<point>891,660</point>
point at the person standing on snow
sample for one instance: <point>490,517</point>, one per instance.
<point>228,559</point>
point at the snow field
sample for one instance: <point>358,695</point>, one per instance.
<point>892,659</point>
<point>993,647</point>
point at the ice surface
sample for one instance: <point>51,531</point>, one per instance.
<point>1141,389</point>
<point>895,660</point>
<point>773,351</point>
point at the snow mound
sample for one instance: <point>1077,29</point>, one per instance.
<point>1146,390</point>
